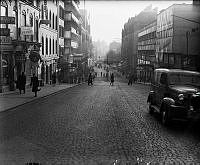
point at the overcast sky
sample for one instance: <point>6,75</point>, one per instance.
<point>107,18</point>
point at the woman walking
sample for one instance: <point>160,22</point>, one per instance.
<point>35,84</point>
<point>112,79</point>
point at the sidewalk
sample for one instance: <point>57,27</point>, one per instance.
<point>13,99</point>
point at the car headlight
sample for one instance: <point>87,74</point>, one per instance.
<point>181,97</point>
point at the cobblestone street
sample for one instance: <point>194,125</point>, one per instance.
<point>99,124</point>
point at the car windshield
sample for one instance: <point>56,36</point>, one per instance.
<point>184,79</point>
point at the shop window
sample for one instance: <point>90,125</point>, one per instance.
<point>5,70</point>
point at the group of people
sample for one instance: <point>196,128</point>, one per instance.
<point>21,83</point>
<point>91,78</point>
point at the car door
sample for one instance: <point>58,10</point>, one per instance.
<point>162,89</point>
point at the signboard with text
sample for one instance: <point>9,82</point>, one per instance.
<point>26,30</point>
<point>7,20</point>
<point>4,32</point>
<point>5,40</point>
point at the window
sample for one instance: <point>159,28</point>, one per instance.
<point>47,46</point>
<point>36,30</point>
<point>53,47</point>
<point>4,12</point>
<point>31,24</point>
<point>163,78</point>
<point>50,46</point>
<point>53,21</point>
<point>23,18</point>
<point>56,46</point>
<point>23,23</point>
<point>61,12</point>
<point>42,45</point>
<point>42,12</point>
<point>56,23</point>
<point>61,31</point>
<point>50,17</point>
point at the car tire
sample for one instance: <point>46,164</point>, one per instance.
<point>150,109</point>
<point>165,118</point>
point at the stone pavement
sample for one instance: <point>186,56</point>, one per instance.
<point>9,100</point>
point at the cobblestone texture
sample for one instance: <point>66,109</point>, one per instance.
<point>98,124</point>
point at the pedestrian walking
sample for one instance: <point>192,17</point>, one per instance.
<point>90,79</point>
<point>35,84</point>
<point>54,78</point>
<point>130,79</point>
<point>21,82</point>
<point>112,79</point>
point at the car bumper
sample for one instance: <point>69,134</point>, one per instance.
<point>181,112</point>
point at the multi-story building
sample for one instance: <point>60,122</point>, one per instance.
<point>61,12</point>
<point>72,31</point>
<point>49,39</point>
<point>146,52</point>
<point>86,43</point>
<point>20,47</point>
<point>130,36</point>
<point>177,44</point>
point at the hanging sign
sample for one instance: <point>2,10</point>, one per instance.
<point>7,20</point>
<point>26,30</point>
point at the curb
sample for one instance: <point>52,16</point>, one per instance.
<point>37,98</point>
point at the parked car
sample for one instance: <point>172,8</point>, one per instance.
<point>175,94</point>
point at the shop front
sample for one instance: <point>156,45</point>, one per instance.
<point>26,56</point>
<point>6,68</point>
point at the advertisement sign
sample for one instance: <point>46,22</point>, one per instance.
<point>7,20</point>
<point>45,22</point>
<point>5,40</point>
<point>26,30</point>
<point>4,32</point>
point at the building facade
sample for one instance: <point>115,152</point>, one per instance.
<point>72,39</point>
<point>178,37</point>
<point>49,40</point>
<point>130,37</point>
<point>20,48</point>
<point>146,52</point>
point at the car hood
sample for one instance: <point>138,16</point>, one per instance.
<point>185,88</point>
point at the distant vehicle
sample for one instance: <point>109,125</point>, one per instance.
<point>175,94</point>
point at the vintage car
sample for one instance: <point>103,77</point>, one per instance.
<point>175,94</point>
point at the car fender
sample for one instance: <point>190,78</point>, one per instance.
<point>150,96</point>
<point>167,101</point>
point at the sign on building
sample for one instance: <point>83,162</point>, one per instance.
<point>4,32</point>
<point>26,30</point>
<point>45,22</point>
<point>7,20</point>
<point>5,40</point>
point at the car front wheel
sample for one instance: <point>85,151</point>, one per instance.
<point>150,108</point>
<point>165,118</point>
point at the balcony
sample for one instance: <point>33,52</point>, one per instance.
<point>71,17</point>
